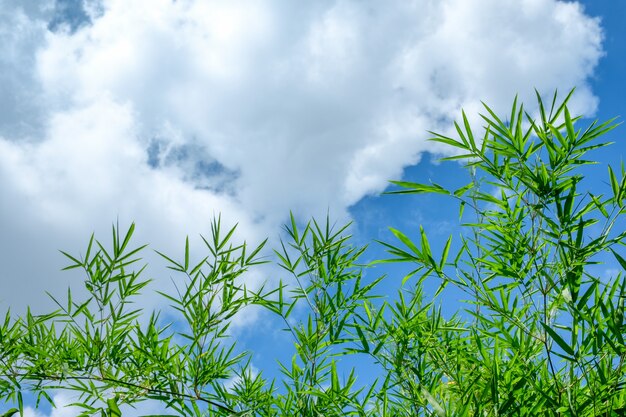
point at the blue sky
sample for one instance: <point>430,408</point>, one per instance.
<point>166,113</point>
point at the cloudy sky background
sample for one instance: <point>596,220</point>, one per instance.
<point>166,113</point>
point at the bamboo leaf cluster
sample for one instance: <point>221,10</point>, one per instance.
<point>540,329</point>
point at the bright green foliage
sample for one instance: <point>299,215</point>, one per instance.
<point>329,285</point>
<point>547,330</point>
<point>541,331</point>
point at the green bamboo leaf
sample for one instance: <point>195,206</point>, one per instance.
<point>444,255</point>
<point>176,267</point>
<point>542,110</point>
<point>416,188</point>
<point>116,239</point>
<point>594,131</point>
<point>459,192</point>
<point>461,135</point>
<point>559,136</point>
<point>437,408</point>
<point>582,302</point>
<point>580,232</point>
<point>574,281</point>
<point>621,260</point>
<point>614,184</point>
<point>334,377</point>
<point>364,343</point>
<point>569,126</point>
<point>114,410</point>
<point>461,210</point>
<point>127,237</point>
<point>468,131</point>
<point>514,111</point>
<point>569,201</point>
<point>77,263</point>
<point>10,412</point>
<point>555,115</point>
<point>186,266</point>
<point>251,259</point>
<point>458,157</point>
<point>426,252</point>
<point>448,141</point>
<point>404,239</point>
<point>496,122</point>
<point>559,340</point>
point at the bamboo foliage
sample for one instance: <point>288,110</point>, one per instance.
<point>540,332</point>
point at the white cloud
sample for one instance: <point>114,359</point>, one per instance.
<point>166,112</point>
<point>20,35</point>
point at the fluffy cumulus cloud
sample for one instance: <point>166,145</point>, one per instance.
<point>167,112</point>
